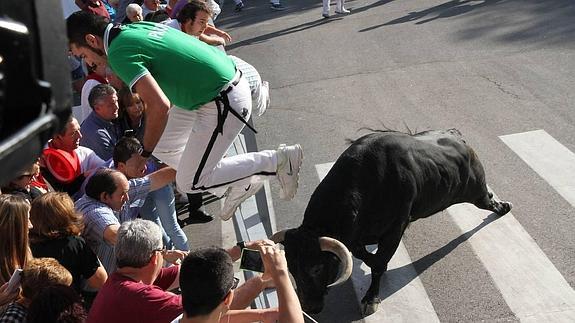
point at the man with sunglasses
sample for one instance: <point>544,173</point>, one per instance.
<point>139,290</point>
<point>208,288</point>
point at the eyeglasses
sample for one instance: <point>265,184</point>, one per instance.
<point>235,283</point>
<point>162,250</point>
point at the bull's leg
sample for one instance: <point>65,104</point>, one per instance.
<point>489,202</point>
<point>385,250</point>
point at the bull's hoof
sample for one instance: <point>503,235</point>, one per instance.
<point>370,307</point>
<point>504,208</point>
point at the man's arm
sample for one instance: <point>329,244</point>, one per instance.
<point>157,109</point>
<point>111,234</point>
<point>161,178</point>
<point>275,265</point>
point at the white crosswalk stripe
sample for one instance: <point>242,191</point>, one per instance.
<point>549,158</point>
<point>530,284</point>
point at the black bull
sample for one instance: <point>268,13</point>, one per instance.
<point>380,184</point>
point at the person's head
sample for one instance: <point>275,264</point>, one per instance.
<point>110,187</point>
<point>152,5</point>
<point>40,273</point>
<point>139,245</point>
<point>23,179</point>
<point>207,282</point>
<point>69,138</point>
<point>125,157</point>
<point>53,216</point>
<point>85,35</point>
<point>14,226</point>
<point>158,16</point>
<point>104,101</point>
<point>57,303</point>
<point>134,12</point>
<point>131,105</point>
<point>194,17</point>
<point>114,3</point>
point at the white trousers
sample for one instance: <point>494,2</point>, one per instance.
<point>338,6</point>
<point>192,145</point>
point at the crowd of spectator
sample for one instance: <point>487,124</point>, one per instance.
<point>89,233</point>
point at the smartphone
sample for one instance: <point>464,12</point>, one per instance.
<point>14,281</point>
<point>251,260</point>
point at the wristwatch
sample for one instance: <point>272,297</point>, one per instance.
<point>146,153</point>
<point>241,244</point>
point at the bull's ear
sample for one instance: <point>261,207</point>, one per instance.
<point>280,236</point>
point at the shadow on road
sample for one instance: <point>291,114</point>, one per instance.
<point>548,22</point>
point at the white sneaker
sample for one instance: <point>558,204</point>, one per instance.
<point>289,165</point>
<point>235,195</point>
<point>342,11</point>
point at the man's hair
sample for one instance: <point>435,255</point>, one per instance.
<point>137,240</point>
<point>191,8</point>
<point>133,8</point>
<point>157,16</point>
<point>102,181</point>
<point>62,131</point>
<point>206,277</point>
<point>42,272</point>
<point>57,303</point>
<point>98,93</point>
<point>82,23</point>
<point>125,148</point>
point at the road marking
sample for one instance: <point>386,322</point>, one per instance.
<point>530,284</point>
<point>406,300</point>
<point>549,158</point>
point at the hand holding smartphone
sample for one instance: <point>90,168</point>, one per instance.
<point>251,260</point>
<point>14,281</point>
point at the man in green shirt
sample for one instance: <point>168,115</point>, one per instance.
<point>211,103</point>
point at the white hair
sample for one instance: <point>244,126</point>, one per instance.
<point>133,8</point>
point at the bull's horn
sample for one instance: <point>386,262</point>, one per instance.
<point>340,250</point>
<point>279,236</point>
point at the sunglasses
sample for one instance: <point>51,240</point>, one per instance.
<point>235,283</point>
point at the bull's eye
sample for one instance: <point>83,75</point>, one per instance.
<point>315,271</point>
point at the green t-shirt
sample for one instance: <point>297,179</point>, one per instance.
<point>189,71</point>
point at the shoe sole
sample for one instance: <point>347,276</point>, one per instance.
<point>283,194</point>
<point>227,214</point>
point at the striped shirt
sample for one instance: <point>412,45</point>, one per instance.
<point>98,216</point>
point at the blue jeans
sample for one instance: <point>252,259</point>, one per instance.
<point>160,208</point>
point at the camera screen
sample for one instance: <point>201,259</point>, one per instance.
<point>251,260</point>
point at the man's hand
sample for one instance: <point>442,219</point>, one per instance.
<point>175,256</point>
<point>274,259</point>
<point>257,244</point>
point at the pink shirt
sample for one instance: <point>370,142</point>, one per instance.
<point>122,299</point>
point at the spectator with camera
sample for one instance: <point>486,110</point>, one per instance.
<point>139,291</point>
<point>207,282</point>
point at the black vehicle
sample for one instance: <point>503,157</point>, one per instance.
<point>35,90</point>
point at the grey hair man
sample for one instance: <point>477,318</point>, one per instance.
<point>99,132</point>
<point>138,290</point>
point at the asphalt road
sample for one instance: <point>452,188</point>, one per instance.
<point>488,68</point>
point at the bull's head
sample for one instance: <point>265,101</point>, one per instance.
<point>314,263</point>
